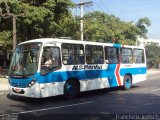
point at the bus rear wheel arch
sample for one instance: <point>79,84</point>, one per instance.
<point>127,82</point>
<point>71,88</point>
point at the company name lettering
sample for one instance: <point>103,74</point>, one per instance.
<point>87,67</point>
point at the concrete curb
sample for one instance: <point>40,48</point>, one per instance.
<point>4,86</point>
<point>153,71</point>
<point>4,92</point>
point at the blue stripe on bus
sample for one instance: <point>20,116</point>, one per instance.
<point>117,45</point>
<point>81,75</point>
<point>133,71</point>
<point>22,83</point>
<point>91,74</point>
<point>112,76</point>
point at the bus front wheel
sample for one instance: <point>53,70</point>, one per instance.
<point>127,82</point>
<point>70,89</point>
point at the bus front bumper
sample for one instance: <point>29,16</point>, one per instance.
<point>32,92</point>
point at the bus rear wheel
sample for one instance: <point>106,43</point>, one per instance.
<point>127,82</point>
<point>70,89</point>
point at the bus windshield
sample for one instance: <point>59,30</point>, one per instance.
<point>25,60</point>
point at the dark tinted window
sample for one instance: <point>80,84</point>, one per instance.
<point>111,55</point>
<point>72,54</point>
<point>94,54</point>
<point>126,55</point>
<point>138,55</point>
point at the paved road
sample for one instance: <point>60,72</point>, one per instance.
<point>143,98</point>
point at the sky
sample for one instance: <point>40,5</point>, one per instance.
<point>130,10</point>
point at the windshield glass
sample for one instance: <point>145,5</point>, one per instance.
<point>25,59</point>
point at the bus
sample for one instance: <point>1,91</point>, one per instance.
<point>51,66</point>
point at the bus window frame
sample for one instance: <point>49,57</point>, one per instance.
<point>143,59</point>
<point>60,66</point>
<point>118,56</point>
<point>73,45</point>
<point>130,61</point>
<point>102,48</point>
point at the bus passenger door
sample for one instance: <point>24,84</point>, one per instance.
<point>50,63</point>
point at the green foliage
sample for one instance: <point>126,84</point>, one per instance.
<point>52,18</point>
<point>42,18</point>
<point>6,39</point>
<point>142,24</point>
<point>108,28</point>
<point>152,53</point>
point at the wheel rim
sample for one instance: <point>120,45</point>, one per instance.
<point>70,89</point>
<point>128,83</point>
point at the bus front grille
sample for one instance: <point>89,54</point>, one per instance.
<point>21,85</point>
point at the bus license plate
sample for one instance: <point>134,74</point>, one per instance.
<point>17,90</point>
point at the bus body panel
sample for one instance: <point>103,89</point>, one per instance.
<point>94,84</point>
<point>51,89</point>
<point>90,76</point>
<point>33,92</point>
<point>52,84</point>
<point>19,86</point>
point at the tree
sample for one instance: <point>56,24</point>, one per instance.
<point>142,24</point>
<point>5,43</point>
<point>152,54</point>
<point>102,27</point>
<point>42,18</point>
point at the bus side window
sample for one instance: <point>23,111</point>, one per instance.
<point>127,55</point>
<point>111,55</point>
<point>70,60</point>
<point>72,54</point>
<point>94,54</point>
<point>50,59</point>
<point>46,56</point>
<point>138,55</point>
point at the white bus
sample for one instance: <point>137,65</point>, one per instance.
<point>49,67</point>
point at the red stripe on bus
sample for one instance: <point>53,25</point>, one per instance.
<point>117,75</point>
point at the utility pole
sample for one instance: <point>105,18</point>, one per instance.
<point>14,17</point>
<point>81,5</point>
<point>82,34</point>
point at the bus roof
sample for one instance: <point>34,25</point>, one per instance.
<point>58,40</point>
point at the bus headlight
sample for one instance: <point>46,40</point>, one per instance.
<point>31,83</point>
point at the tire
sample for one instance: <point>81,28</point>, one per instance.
<point>71,89</point>
<point>127,82</point>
